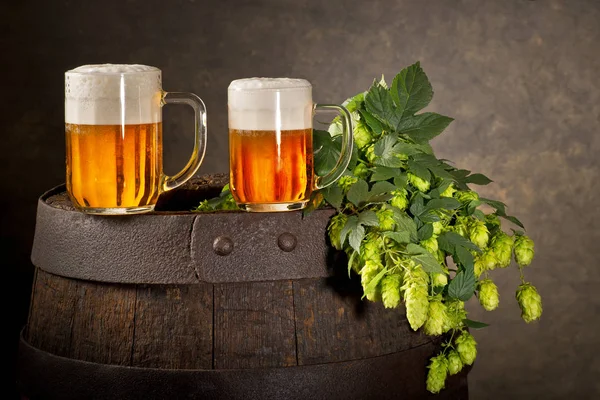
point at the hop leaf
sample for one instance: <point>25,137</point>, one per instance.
<point>390,291</point>
<point>523,250</point>
<point>478,233</point>
<point>455,364</point>
<point>466,346</point>
<point>415,291</point>
<point>386,219</point>
<point>400,199</point>
<point>438,371</point>
<point>530,302</point>
<point>502,245</point>
<point>367,273</point>
<point>361,171</point>
<point>488,295</point>
<point>362,136</point>
<point>436,318</point>
<point>419,183</point>
<point>335,228</point>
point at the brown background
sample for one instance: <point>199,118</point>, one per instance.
<point>522,79</point>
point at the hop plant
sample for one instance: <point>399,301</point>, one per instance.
<point>438,226</point>
<point>478,233</point>
<point>488,295</point>
<point>466,348</point>
<point>386,219</point>
<point>449,191</point>
<point>416,295</point>
<point>455,310</point>
<point>371,248</point>
<point>438,371</point>
<point>362,136</point>
<point>390,291</point>
<point>461,226</point>
<point>466,196</point>
<point>485,261</point>
<point>437,318</point>
<point>431,245</point>
<point>502,245</point>
<point>346,181</point>
<point>360,171</point>
<point>368,272</point>
<point>530,302</point>
<point>335,228</point>
<point>439,279</point>
<point>523,250</point>
<point>419,183</point>
<point>455,364</point>
<point>400,199</point>
<point>370,153</point>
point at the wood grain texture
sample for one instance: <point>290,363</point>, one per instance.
<point>103,323</point>
<point>173,327</point>
<point>254,325</point>
<point>51,313</point>
<point>331,327</point>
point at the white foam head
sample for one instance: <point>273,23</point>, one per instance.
<point>113,94</point>
<point>270,104</point>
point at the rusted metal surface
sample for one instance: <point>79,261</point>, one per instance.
<point>176,247</point>
<point>42,375</point>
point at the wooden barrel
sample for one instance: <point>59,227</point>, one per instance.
<point>225,305</point>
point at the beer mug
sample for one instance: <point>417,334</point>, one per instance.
<point>113,127</point>
<point>270,144</point>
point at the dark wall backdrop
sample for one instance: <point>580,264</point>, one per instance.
<point>522,79</point>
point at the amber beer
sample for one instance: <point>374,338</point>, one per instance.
<point>113,132</point>
<point>271,147</point>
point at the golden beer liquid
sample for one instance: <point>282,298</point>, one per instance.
<point>270,166</point>
<point>108,166</point>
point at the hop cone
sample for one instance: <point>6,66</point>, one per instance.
<point>466,346</point>
<point>485,261</point>
<point>488,295</point>
<point>454,362</point>
<point>461,226</point>
<point>204,206</point>
<point>466,196</point>
<point>370,153</point>
<point>523,250</point>
<point>400,199</point>
<point>386,219</point>
<point>530,302</point>
<point>361,171</point>
<point>346,181</point>
<point>436,318</point>
<point>492,221</point>
<point>478,233</point>
<point>438,226</point>
<point>431,245</point>
<point>439,279</point>
<point>362,136</point>
<point>436,376</point>
<point>335,228</point>
<point>416,296</point>
<point>367,273</point>
<point>456,314</point>
<point>502,245</point>
<point>449,192</point>
<point>390,291</point>
<point>419,183</point>
<point>370,248</point>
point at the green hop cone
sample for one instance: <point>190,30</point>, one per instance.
<point>370,153</point>
<point>386,219</point>
<point>367,273</point>
<point>362,136</point>
<point>419,183</point>
<point>523,250</point>
<point>370,249</point>
<point>439,279</point>
<point>449,192</point>
<point>438,371</point>
<point>485,261</point>
<point>530,302</point>
<point>400,199</point>
<point>436,318</point>
<point>456,314</point>
<point>461,226</point>
<point>415,292</point>
<point>502,246</point>
<point>361,171</point>
<point>390,291</point>
<point>466,196</point>
<point>346,181</point>
<point>455,364</point>
<point>466,346</point>
<point>478,233</point>
<point>492,221</point>
<point>430,244</point>
<point>488,295</point>
<point>335,228</point>
<point>438,227</point>
<point>204,206</point>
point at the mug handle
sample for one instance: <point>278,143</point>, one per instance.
<point>346,150</point>
<point>171,182</point>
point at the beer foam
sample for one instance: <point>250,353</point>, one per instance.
<point>270,104</point>
<point>113,94</point>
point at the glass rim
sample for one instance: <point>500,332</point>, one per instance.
<point>151,70</point>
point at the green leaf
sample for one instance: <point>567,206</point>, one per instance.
<point>419,170</point>
<point>356,236</point>
<point>350,225</point>
<point>350,261</point>
<point>374,282</point>
<point>478,179</point>
<point>472,206</point>
<point>358,193</point>
<point>368,218</point>
<point>445,184</point>
<point>463,257</point>
<point>514,220</point>
<point>405,223</point>
<point>386,152</point>
<point>326,151</point>
<point>401,181</point>
<point>399,237</point>
<point>469,323</point>
<point>381,187</point>
<point>479,215</point>
<point>429,217</point>
<point>448,241</point>
<point>423,127</point>
<point>447,203</point>
<point>462,286</point>
<point>334,195</point>
<point>354,103</point>
<point>411,90</point>
<point>425,232</point>
<point>379,103</point>
<point>417,207</point>
<point>498,205</point>
<point>381,173</point>
<point>425,258</point>
<point>372,122</point>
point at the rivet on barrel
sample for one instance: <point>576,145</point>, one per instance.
<point>223,245</point>
<point>287,241</point>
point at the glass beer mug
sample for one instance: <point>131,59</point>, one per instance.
<point>270,144</point>
<point>113,127</point>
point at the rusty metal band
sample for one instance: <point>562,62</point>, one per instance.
<point>180,247</point>
<point>42,375</point>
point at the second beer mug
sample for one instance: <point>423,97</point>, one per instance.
<point>270,144</point>
<point>113,126</point>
